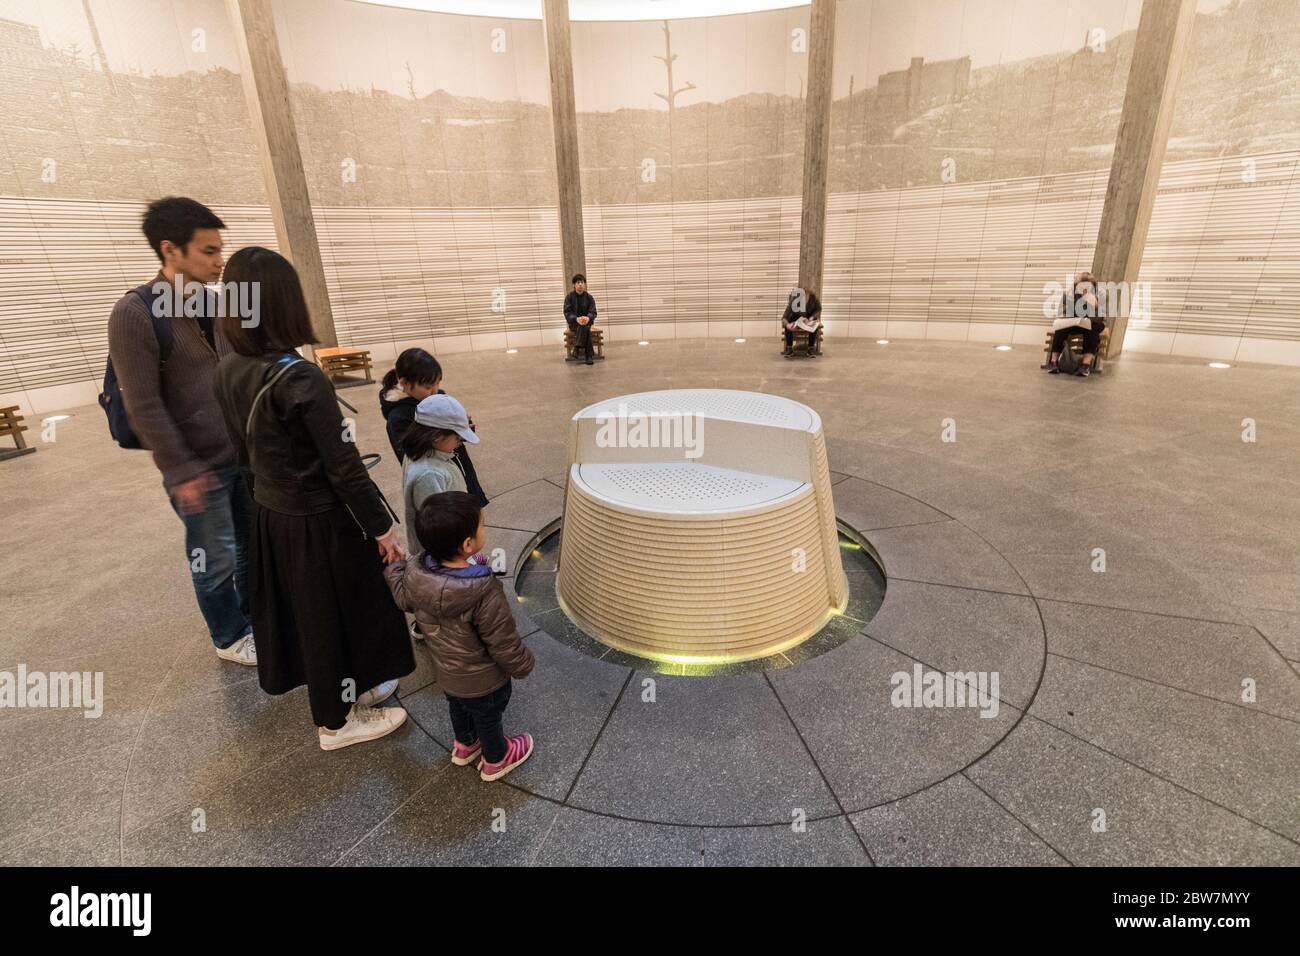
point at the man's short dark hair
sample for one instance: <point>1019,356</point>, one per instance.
<point>175,219</point>
<point>579,277</point>
<point>445,520</point>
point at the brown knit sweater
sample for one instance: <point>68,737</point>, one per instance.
<point>175,413</point>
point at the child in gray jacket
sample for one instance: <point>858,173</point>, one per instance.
<point>429,447</point>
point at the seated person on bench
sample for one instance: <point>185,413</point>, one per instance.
<point>1081,313</point>
<point>803,311</point>
<point>580,314</point>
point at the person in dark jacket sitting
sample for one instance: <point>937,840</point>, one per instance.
<point>580,314</point>
<point>1081,312</point>
<point>321,530</point>
<point>464,611</point>
<point>416,376</point>
<point>802,311</point>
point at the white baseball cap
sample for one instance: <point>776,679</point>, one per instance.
<point>443,411</point>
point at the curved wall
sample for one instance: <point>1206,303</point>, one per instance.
<point>434,192</point>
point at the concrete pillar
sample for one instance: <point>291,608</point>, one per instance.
<point>1158,52</point>
<point>816,145</point>
<point>564,120</point>
<point>266,90</point>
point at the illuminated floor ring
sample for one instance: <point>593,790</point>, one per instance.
<point>535,587</point>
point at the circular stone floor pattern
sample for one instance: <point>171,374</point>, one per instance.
<point>699,526</point>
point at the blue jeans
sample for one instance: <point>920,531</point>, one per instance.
<point>216,549</point>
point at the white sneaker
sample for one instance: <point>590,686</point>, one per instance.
<point>364,723</point>
<point>243,651</point>
<point>377,693</point>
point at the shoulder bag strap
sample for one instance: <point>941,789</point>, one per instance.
<point>285,364</point>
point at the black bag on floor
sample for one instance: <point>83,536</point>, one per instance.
<point>1069,360</point>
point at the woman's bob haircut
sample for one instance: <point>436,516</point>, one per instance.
<point>280,321</point>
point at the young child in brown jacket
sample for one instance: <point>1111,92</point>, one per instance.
<point>465,616</point>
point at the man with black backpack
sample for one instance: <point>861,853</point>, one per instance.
<point>163,353</point>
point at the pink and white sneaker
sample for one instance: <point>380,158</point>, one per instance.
<point>463,755</point>
<point>518,749</point>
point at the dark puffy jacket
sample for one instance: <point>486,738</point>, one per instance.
<point>399,413</point>
<point>467,625</point>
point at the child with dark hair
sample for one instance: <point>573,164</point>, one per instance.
<point>463,610</point>
<point>415,376</point>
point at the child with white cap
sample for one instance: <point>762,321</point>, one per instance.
<point>429,447</point>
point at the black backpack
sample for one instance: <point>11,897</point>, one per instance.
<point>110,399</point>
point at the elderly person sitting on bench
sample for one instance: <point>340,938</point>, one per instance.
<point>1082,313</point>
<point>803,311</point>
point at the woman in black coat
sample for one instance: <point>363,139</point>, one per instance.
<point>322,532</point>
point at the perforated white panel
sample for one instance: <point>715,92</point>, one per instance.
<point>684,488</point>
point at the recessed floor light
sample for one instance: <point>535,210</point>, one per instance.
<point>643,342</point>
<point>511,351</point>
<point>1219,365</point>
<point>1003,348</point>
<point>882,341</point>
<point>740,341</point>
<point>56,418</point>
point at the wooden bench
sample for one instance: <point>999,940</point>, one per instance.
<point>801,341</point>
<point>340,362</point>
<point>11,425</point>
<point>1075,341</point>
<point>597,343</point>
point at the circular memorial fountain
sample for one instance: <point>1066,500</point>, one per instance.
<point>699,526</point>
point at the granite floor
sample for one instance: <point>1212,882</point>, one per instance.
<point>1146,713</point>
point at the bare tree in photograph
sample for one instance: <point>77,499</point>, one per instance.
<point>671,96</point>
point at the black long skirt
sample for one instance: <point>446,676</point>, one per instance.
<point>322,612</point>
